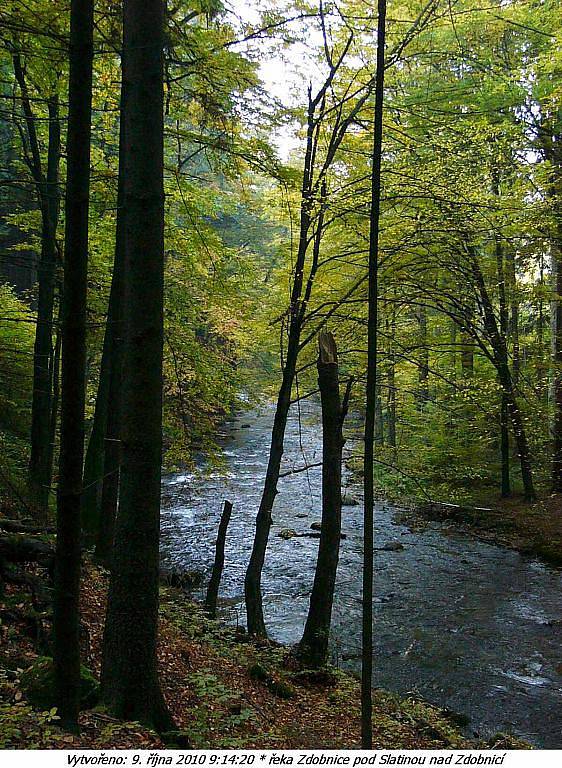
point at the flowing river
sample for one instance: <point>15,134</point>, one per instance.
<point>466,625</point>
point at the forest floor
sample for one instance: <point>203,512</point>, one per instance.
<point>531,528</point>
<point>223,690</point>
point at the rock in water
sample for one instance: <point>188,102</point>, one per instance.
<point>287,533</point>
<point>349,501</point>
<point>392,546</point>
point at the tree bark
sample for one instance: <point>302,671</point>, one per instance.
<point>379,417</point>
<point>94,465</point>
<point>423,367</point>
<point>504,447</point>
<point>313,647</point>
<point>40,459</point>
<point>467,346</point>
<point>252,581</point>
<point>512,309</point>
<point>215,580</point>
<point>112,370</point>
<point>130,684</point>
<point>112,455</point>
<point>552,141</point>
<point>55,399</point>
<point>500,359</point>
<point>66,653</point>
<point>391,377</point>
<point>39,477</point>
<point>557,367</point>
<point>94,461</point>
<point>504,328</point>
<point>372,359</point>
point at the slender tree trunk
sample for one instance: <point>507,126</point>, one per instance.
<point>103,518</point>
<point>130,685</point>
<point>73,390</point>
<point>252,581</point>
<point>55,378</point>
<point>504,447</point>
<point>313,647</point>
<point>467,346</point>
<point>552,141</point>
<point>467,357</point>
<point>379,417</point>
<point>504,374</point>
<point>453,351</point>
<point>368,464</point>
<point>512,312</point>
<point>48,194</point>
<point>520,435</point>
<point>112,453</point>
<point>557,366</point>
<point>94,461</point>
<point>215,580</point>
<point>423,367</point>
<point>541,368</point>
<point>391,378</point>
<point>504,327</point>
<point>311,187</point>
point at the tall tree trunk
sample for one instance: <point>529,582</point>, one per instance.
<point>372,355</point>
<point>311,187</point>
<point>557,366</point>
<point>504,327</point>
<point>252,581</point>
<point>379,417</point>
<point>453,331</point>
<point>391,378</point>
<point>467,357</point>
<point>313,647</point>
<point>552,144</point>
<point>500,359</point>
<point>467,345</point>
<point>541,367</point>
<point>39,476</point>
<point>112,452</point>
<point>130,685</point>
<point>423,367</point>
<point>39,466</point>
<point>107,421</point>
<point>73,391</point>
<point>55,400</point>
<point>504,447</point>
<point>94,461</point>
<point>512,312</point>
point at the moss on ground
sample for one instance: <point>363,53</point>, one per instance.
<point>38,685</point>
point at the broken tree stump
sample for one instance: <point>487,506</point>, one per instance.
<point>214,583</point>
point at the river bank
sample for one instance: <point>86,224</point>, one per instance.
<point>533,529</point>
<point>223,690</point>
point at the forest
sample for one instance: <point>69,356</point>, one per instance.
<point>280,374</point>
